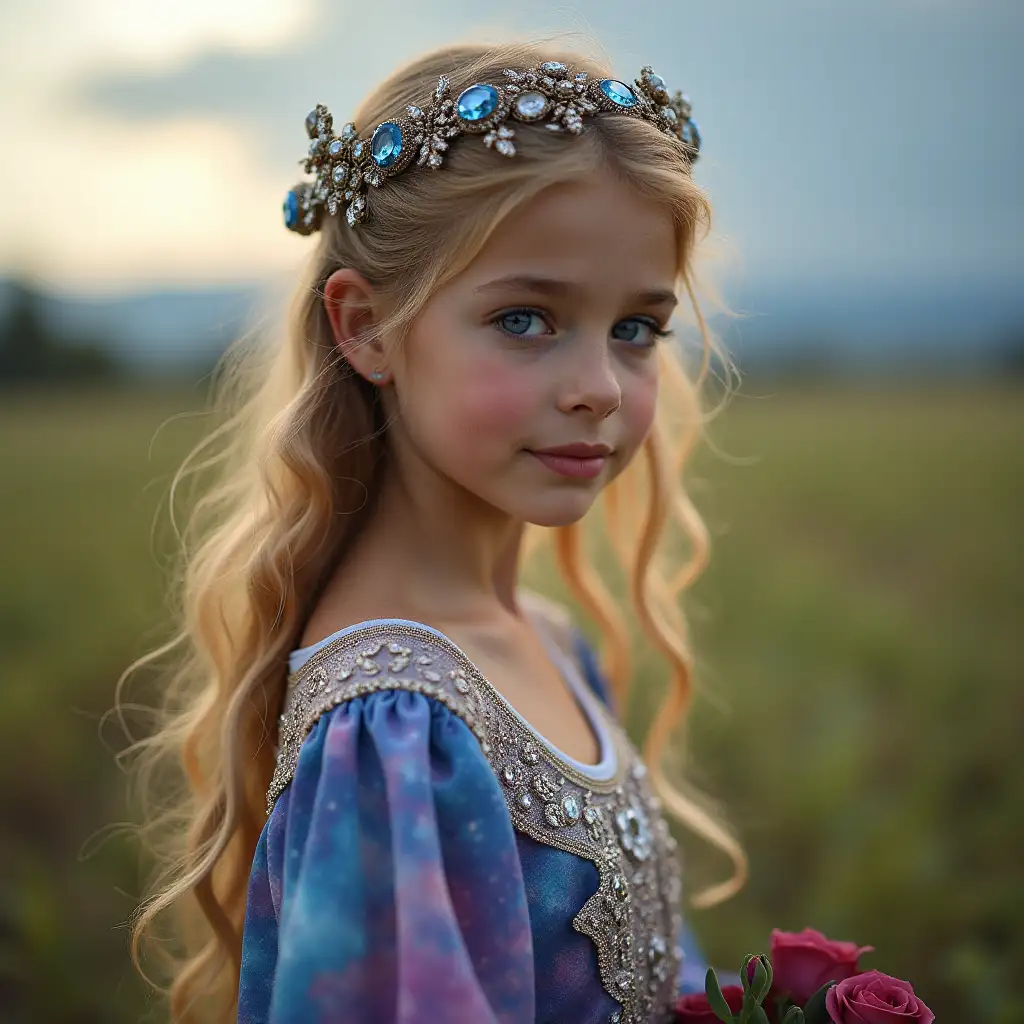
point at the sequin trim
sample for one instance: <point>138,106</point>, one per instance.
<point>633,918</point>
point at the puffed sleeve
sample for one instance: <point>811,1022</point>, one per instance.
<point>386,887</point>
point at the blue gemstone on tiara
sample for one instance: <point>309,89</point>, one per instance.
<point>386,144</point>
<point>618,93</point>
<point>291,210</point>
<point>477,102</point>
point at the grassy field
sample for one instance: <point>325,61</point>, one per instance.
<point>860,621</point>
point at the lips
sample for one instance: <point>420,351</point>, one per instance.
<point>571,465</point>
<point>579,450</point>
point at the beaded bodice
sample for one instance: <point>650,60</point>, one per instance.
<point>633,917</point>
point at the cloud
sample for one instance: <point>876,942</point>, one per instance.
<point>875,137</point>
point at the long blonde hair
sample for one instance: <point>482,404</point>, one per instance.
<point>295,470</point>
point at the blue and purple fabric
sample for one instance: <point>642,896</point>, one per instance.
<point>389,886</point>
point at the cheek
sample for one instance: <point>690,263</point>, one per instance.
<point>491,403</point>
<point>638,407</point>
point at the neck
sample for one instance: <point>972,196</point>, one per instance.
<point>443,549</point>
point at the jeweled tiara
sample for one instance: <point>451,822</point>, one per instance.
<point>346,164</point>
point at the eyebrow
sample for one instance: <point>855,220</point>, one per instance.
<point>552,286</point>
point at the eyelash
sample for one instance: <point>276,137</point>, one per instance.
<point>657,331</point>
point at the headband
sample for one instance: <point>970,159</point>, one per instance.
<point>346,165</point>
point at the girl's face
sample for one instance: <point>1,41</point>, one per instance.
<point>548,339</point>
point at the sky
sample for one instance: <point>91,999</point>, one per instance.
<point>147,143</point>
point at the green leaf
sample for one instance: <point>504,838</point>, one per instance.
<point>713,991</point>
<point>753,1013</point>
<point>795,1016</point>
<point>814,1010</point>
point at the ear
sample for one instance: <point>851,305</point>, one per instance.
<point>351,307</point>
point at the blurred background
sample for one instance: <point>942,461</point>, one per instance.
<point>858,629</point>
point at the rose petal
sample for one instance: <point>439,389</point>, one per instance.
<point>876,998</point>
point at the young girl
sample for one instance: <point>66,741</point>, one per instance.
<point>410,795</point>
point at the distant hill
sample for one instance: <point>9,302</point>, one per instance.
<point>929,326</point>
<point>154,331</point>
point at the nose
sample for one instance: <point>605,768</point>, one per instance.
<point>591,381</point>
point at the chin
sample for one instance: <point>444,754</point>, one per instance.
<point>561,511</point>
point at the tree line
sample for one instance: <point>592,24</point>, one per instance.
<point>32,352</point>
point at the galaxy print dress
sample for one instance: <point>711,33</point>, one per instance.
<point>430,857</point>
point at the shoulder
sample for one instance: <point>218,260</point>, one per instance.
<point>379,659</point>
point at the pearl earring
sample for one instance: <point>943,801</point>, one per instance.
<point>377,375</point>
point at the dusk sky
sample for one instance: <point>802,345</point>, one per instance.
<point>149,143</point>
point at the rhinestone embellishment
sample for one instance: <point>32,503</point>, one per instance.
<point>478,102</point>
<point>633,918</point>
<point>634,833</point>
<point>618,92</point>
<point>530,105</point>
<point>386,144</point>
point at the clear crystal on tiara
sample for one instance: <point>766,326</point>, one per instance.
<point>500,139</point>
<point>335,149</point>
<point>669,114</point>
<point>531,105</point>
<point>552,65</point>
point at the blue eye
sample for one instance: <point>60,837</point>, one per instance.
<point>517,322</point>
<point>639,330</point>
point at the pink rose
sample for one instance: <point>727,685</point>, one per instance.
<point>804,961</point>
<point>695,1008</point>
<point>875,998</point>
